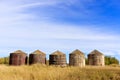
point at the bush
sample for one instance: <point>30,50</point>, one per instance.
<point>111,60</point>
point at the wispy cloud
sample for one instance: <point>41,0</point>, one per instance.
<point>23,28</point>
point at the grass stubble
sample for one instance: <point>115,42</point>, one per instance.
<point>43,72</point>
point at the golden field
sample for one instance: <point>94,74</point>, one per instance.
<point>43,72</point>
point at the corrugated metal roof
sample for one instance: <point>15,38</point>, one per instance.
<point>38,52</point>
<point>18,51</point>
<point>96,52</point>
<point>77,52</point>
<point>57,53</point>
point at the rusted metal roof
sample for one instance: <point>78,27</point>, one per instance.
<point>19,51</point>
<point>38,52</point>
<point>96,52</point>
<point>77,52</point>
<point>57,53</point>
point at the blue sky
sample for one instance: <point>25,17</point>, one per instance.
<point>64,25</point>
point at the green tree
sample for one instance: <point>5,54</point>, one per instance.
<point>111,60</point>
<point>86,61</point>
<point>4,60</point>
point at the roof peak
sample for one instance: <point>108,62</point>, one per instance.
<point>77,51</point>
<point>37,52</point>
<point>19,51</point>
<point>57,53</point>
<point>96,52</point>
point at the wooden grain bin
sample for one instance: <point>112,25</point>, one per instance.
<point>96,58</point>
<point>37,57</point>
<point>18,58</point>
<point>77,58</point>
<point>57,58</point>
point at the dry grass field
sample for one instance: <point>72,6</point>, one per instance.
<point>42,72</point>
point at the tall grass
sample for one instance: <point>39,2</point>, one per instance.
<point>42,72</point>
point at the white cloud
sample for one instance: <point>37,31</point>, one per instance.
<point>19,30</point>
<point>50,35</point>
<point>14,11</point>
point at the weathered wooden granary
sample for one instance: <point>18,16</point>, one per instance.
<point>77,58</point>
<point>37,57</point>
<point>96,58</point>
<point>18,58</point>
<point>57,58</point>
